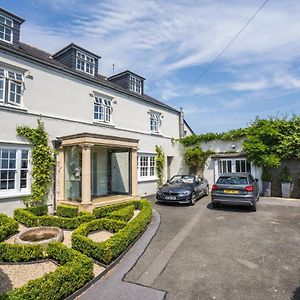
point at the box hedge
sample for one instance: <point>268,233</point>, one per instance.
<point>110,249</point>
<point>123,214</point>
<point>76,270</point>
<point>105,211</point>
<point>30,219</point>
<point>8,226</point>
<point>67,211</point>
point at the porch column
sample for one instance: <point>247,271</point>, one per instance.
<point>61,174</point>
<point>134,186</point>
<point>86,175</point>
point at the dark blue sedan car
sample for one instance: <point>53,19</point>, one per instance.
<point>183,189</point>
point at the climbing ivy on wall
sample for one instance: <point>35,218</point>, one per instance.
<point>160,163</point>
<point>42,163</point>
<point>267,141</point>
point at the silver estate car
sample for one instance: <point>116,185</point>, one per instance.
<point>235,189</point>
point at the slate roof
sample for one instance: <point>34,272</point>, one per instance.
<point>40,56</point>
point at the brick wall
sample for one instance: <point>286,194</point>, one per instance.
<point>294,168</point>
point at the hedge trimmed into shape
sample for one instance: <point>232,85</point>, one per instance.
<point>76,269</point>
<point>124,214</point>
<point>67,211</point>
<point>8,226</point>
<point>30,219</point>
<point>110,249</point>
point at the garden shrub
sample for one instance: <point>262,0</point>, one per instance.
<point>20,253</point>
<point>105,211</point>
<point>40,210</point>
<point>67,211</point>
<point>123,214</point>
<point>110,249</point>
<point>8,226</point>
<point>76,269</point>
<point>29,219</point>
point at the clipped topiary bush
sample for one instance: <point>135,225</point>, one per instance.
<point>29,219</point>
<point>8,226</point>
<point>123,214</point>
<point>67,211</point>
<point>76,269</point>
<point>110,249</point>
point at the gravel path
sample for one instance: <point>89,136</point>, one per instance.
<point>100,236</point>
<point>16,275</point>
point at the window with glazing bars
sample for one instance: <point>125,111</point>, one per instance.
<point>11,87</point>
<point>85,63</point>
<point>6,29</point>
<point>102,110</point>
<point>155,121</point>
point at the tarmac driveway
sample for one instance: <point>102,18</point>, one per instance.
<point>228,253</point>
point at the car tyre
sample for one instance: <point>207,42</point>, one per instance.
<point>253,207</point>
<point>193,198</point>
<point>214,205</point>
<point>206,191</point>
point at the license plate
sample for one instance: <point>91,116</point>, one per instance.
<point>170,198</point>
<point>231,191</point>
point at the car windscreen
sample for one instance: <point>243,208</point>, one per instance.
<point>182,179</point>
<point>232,180</point>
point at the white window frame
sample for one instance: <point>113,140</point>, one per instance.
<point>103,110</point>
<point>18,191</point>
<point>222,166</point>
<point>7,26</point>
<point>85,63</point>
<point>155,122</point>
<point>135,84</point>
<point>12,79</point>
<point>146,167</point>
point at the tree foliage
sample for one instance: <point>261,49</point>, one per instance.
<point>267,141</point>
<point>42,163</point>
<point>196,158</point>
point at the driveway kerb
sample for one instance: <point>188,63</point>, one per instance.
<point>279,201</point>
<point>112,286</point>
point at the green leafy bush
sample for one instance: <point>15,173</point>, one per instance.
<point>29,219</point>
<point>67,211</point>
<point>76,269</point>
<point>123,214</point>
<point>20,253</point>
<point>285,175</point>
<point>110,249</point>
<point>266,175</point>
<point>8,226</point>
<point>40,210</point>
<point>105,211</point>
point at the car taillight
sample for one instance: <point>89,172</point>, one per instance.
<point>249,188</point>
<point>214,187</point>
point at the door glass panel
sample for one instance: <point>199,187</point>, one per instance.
<point>73,167</point>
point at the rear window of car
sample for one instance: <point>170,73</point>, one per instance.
<point>232,180</point>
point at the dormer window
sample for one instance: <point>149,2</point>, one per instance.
<point>135,84</point>
<point>6,29</point>
<point>85,63</point>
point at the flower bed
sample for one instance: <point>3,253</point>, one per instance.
<point>110,249</point>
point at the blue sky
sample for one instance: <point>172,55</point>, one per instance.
<point>170,43</point>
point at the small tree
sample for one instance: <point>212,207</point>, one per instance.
<point>42,163</point>
<point>196,158</point>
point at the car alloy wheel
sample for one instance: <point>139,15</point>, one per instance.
<point>206,191</point>
<point>193,198</point>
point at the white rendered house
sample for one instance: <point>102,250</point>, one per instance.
<point>104,129</point>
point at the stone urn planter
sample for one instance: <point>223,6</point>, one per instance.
<point>286,183</point>
<point>266,188</point>
<point>286,189</point>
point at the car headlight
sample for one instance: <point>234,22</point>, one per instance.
<point>186,193</point>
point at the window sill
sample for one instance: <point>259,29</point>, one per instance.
<point>156,133</point>
<point>104,124</point>
<point>12,107</point>
<point>14,195</point>
<point>147,180</point>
